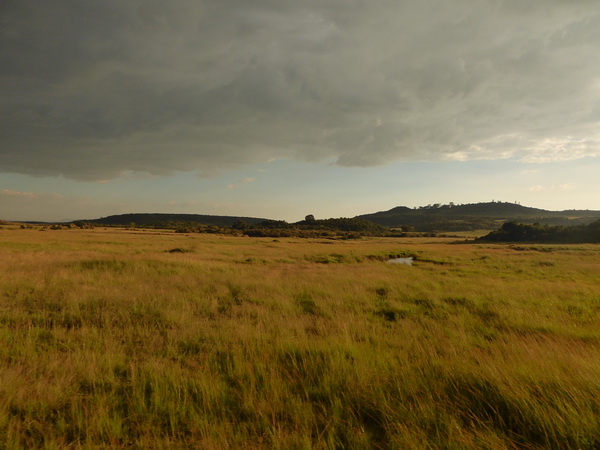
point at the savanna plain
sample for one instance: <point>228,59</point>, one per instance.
<point>148,339</point>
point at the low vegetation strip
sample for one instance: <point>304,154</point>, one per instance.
<point>518,232</point>
<point>116,339</point>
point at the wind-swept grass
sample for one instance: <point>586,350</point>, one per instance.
<point>109,338</point>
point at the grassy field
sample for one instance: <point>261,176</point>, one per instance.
<point>116,338</point>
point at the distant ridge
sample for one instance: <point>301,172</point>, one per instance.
<point>474,216</point>
<point>430,218</point>
<point>159,219</point>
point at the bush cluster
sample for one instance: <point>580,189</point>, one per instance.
<point>518,232</point>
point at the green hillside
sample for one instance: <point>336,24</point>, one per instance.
<point>430,218</point>
<point>171,220</point>
<point>475,216</point>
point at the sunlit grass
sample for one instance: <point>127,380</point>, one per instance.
<point>131,338</point>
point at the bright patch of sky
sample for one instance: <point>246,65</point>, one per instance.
<point>289,190</point>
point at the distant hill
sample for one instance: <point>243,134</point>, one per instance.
<point>475,216</point>
<point>169,220</point>
<point>430,218</point>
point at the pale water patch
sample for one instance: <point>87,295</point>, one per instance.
<point>406,261</point>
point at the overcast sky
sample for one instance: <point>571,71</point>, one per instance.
<point>281,108</point>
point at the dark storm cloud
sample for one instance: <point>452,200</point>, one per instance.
<point>92,89</point>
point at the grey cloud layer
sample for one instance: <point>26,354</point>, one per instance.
<point>92,89</point>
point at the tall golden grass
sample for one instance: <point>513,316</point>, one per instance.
<point>116,338</point>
